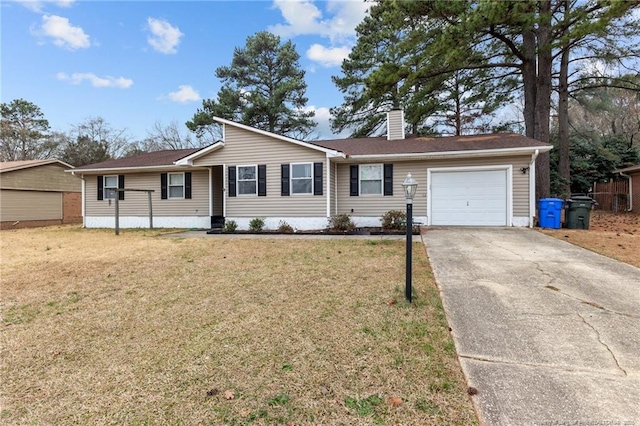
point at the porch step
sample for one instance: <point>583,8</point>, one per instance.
<point>217,222</point>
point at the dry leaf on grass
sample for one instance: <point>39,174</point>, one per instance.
<point>395,401</point>
<point>229,394</point>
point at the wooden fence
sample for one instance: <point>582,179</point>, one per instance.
<point>611,196</point>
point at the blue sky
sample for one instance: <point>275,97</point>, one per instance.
<point>135,63</point>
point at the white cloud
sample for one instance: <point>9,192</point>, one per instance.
<point>63,33</point>
<point>38,5</point>
<point>323,130</point>
<point>184,94</point>
<point>108,81</point>
<point>337,23</point>
<point>328,56</point>
<point>303,17</point>
<point>164,37</point>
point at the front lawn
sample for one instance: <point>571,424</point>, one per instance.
<point>145,329</point>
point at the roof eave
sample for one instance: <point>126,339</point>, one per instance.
<point>631,169</point>
<point>140,169</point>
<point>450,154</point>
<point>38,164</point>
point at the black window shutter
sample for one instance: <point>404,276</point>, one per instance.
<point>262,180</point>
<point>120,186</point>
<point>388,179</point>
<point>232,181</point>
<point>163,186</point>
<point>353,181</point>
<point>284,190</point>
<point>100,188</point>
<point>187,185</point>
<point>317,178</point>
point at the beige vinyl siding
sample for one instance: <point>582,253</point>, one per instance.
<point>30,205</point>
<point>395,124</point>
<point>376,205</point>
<point>137,204</point>
<point>248,148</point>
<point>50,177</point>
<point>521,187</point>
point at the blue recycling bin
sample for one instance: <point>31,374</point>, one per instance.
<point>549,211</point>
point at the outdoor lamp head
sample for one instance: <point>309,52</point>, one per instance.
<point>410,185</point>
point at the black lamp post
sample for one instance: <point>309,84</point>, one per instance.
<point>410,185</point>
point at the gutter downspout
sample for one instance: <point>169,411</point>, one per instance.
<point>210,192</point>
<point>532,187</point>
<point>630,208</point>
<point>328,180</point>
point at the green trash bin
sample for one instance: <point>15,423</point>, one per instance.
<point>578,210</point>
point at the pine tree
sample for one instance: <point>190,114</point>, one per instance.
<point>263,87</point>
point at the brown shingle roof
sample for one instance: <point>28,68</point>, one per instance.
<point>7,166</point>
<point>149,159</point>
<point>631,169</point>
<point>425,145</point>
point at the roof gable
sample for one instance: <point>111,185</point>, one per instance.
<point>9,166</point>
<point>276,136</point>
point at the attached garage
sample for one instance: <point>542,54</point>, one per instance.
<point>470,196</point>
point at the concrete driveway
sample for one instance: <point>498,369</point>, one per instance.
<point>548,333</point>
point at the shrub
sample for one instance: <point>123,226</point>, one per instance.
<point>256,224</point>
<point>230,226</point>
<point>341,222</point>
<point>285,228</point>
<point>394,219</point>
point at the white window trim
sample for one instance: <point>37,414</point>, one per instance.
<point>381,180</point>
<point>106,194</point>
<point>255,166</point>
<point>291,179</point>
<point>169,197</point>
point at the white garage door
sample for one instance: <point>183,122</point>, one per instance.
<point>469,198</point>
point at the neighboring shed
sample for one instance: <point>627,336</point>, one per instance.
<point>633,174</point>
<point>38,193</point>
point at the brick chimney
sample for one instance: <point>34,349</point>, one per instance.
<point>395,124</point>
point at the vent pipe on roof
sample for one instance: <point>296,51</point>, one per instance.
<point>395,124</point>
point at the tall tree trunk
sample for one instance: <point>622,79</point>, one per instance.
<point>543,97</point>
<point>457,95</point>
<point>564,164</point>
<point>529,80</point>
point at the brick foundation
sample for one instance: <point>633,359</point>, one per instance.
<point>72,207</point>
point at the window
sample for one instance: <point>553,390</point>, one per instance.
<point>371,179</point>
<point>301,178</point>
<point>176,185</point>
<point>247,180</point>
<point>110,186</point>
